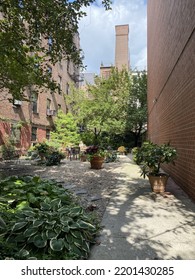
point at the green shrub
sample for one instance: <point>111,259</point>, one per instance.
<point>54,158</point>
<point>150,156</point>
<point>8,149</point>
<point>40,219</point>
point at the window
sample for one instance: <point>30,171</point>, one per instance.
<point>34,133</point>
<point>60,64</point>
<point>47,134</point>
<point>67,89</point>
<point>68,66</point>
<point>35,103</point>
<point>48,104</point>
<point>49,70</point>
<point>60,84</point>
<point>50,43</point>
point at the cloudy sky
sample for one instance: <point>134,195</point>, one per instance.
<point>97,33</point>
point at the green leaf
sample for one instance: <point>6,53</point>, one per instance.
<point>19,225</point>
<point>39,242</point>
<point>55,204</point>
<point>2,223</point>
<point>58,229</point>
<point>77,234</point>
<point>85,225</point>
<point>37,223</point>
<point>74,226</point>
<point>69,238</point>
<point>65,220</point>
<point>85,246</point>
<point>57,244</point>
<point>36,179</point>
<point>51,234</point>
<point>65,229</point>
<point>76,211</point>
<point>30,231</point>
<point>23,253</point>
<point>45,206</point>
<point>22,205</point>
<point>28,213</point>
<point>74,249</point>
<point>63,210</point>
<point>31,198</point>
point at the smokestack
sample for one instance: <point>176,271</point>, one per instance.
<point>122,47</point>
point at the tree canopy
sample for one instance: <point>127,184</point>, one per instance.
<point>111,108</point>
<point>66,130</point>
<point>33,33</point>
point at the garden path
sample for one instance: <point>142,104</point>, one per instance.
<point>92,187</point>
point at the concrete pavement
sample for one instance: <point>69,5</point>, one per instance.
<point>141,225</point>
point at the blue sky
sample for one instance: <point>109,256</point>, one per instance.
<point>97,33</point>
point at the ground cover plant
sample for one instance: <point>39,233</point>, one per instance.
<point>39,219</point>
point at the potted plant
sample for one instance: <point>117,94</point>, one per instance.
<point>96,156</point>
<point>150,157</point>
<point>122,150</point>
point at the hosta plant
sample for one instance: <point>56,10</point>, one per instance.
<point>45,224</point>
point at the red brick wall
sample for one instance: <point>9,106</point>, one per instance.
<point>10,114</point>
<point>171,84</point>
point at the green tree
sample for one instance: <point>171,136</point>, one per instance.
<point>102,109</point>
<point>26,30</point>
<point>66,130</point>
<point>137,108</point>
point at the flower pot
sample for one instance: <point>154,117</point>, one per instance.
<point>158,182</point>
<point>96,162</point>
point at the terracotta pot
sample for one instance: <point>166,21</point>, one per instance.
<point>158,182</point>
<point>96,162</point>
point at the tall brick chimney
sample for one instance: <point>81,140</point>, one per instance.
<point>122,47</point>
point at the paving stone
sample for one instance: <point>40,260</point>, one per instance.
<point>79,192</point>
<point>69,187</point>
<point>96,197</point>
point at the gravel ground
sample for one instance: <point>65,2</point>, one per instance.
<point>92,187</point>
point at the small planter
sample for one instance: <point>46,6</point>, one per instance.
<point>158,182</point>
<point>96,162</point>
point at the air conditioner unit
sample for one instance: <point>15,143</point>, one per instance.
<point>51,112</point>
<point>17,102</point>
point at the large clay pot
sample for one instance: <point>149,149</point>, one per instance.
<point>158,182</point>
<point>96,162</point>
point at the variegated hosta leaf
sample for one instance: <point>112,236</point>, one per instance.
<point>30,231</point>
<point>19,225</point>
<point>57,244</point>
<point>39,242</point>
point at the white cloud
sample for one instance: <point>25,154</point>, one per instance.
<point>97,33</point>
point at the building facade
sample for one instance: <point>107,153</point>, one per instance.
<point>27,123</point>
<point>171,84</point>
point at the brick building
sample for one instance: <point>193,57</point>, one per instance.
<point>31,122</point>
<point>171,84</point>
